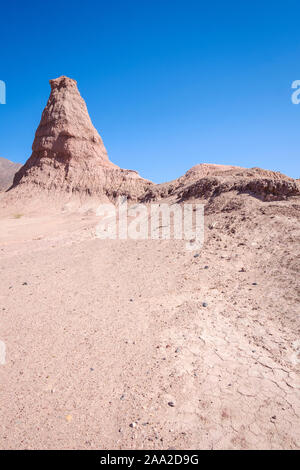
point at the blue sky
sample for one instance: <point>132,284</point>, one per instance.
<point>168,84</point>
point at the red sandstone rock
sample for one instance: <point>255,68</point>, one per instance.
<point>69,154</point>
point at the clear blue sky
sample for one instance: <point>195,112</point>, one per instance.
<point>168,83</point>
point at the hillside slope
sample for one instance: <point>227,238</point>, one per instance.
<point>7,173</point>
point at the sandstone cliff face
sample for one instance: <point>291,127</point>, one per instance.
<point>69,154</point>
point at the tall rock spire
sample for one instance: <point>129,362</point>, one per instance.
<point>68,154</point>
<point>66,130</point>
<point>67,150</point>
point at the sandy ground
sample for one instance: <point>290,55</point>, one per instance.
<point>109,346</point>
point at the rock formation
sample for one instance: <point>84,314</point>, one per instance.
<point>68,154</point>
<point>207,181</point>
<point>7,172</point>
<point>69,157</point>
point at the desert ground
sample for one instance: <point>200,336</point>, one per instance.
<point>144,344</point>
<point>109,346</point>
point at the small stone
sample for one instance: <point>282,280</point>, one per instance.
<point>206,267</point>
<point>177,350</point>
<point>254,283</point>
<point>204,304</point>
<point>130,300</point>
<point>171,403</point>
<point>196,255</point>
<point>24,284</point>
<point>132,425</point>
